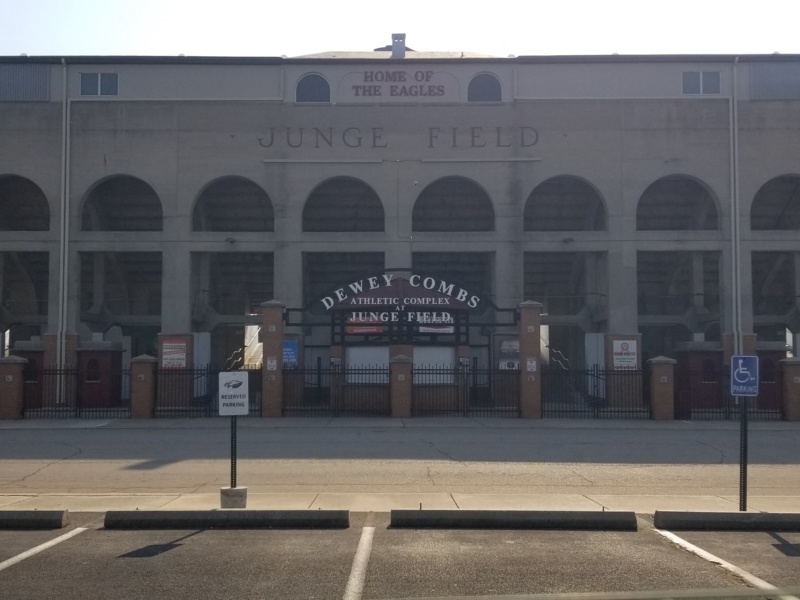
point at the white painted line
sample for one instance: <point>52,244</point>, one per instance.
<point>748,577</point>
<point>40,548</point>
<point>358,573</point>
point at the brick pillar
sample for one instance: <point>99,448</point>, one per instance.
<point>662,388</point>
<point>272,371</point>
<point>50,342</point>
<point>463,370</point>
<point>143,386</point>
<point>400,374</point>
<point>11,387</point>
<point>530,368</point>
<point>791,389</point>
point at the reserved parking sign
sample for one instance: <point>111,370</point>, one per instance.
<point>234,395</point>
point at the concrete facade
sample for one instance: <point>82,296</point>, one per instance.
<point>617,124</point>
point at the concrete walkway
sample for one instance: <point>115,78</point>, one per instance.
<point>377,465</point>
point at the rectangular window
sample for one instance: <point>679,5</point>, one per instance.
<point>99,84</point>
<point>701,82</point>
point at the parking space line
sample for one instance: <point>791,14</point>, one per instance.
<point>358,573</point>
<point>40,548</point>
<point>739,572</point>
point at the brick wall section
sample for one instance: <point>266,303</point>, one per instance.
<point>11,387</point>
<point>748,346</point>
<point>791,389</point>
<point>143,387</point>
<point>662,388</point>
<point>272,340</point>
<point>50,342</point>
<point>530,384</point>
<point>400,367</point>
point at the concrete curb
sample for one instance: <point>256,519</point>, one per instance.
<point>514,519</point>
<point>726,521</point>
<point>227,519</point>
<point>34,519</point>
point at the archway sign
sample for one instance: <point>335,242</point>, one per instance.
<point>425,303</point>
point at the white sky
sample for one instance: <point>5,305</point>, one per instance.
<point>496,27</point>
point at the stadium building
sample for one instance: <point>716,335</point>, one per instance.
<point>151,205</point>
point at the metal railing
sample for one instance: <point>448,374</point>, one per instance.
<point>702,395</point>
<point>52,393</point>
<point>195,392</point>
<point>594,393</point>
<point>465,392</point>
<point>333,391</point>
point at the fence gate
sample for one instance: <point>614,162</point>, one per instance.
<point>52,393</point>
<point>465,392</point>
<point>335,391</point>
<point>194,392</point>
<point>594,394</point>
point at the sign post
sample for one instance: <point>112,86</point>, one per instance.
<point>744,385</point>
<point>234,400</point>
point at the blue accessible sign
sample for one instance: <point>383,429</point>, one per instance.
<point>744,376</point>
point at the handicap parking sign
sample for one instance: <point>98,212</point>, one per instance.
<point>744,376</point>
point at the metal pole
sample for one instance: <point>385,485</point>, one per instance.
<point>233,452</point>
<point>743,453</point>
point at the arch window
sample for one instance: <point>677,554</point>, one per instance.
<point>484,87</point>
<point>564,204</point>
<point>23,206</point>
<point>776,205</point>
<point>313,88</point>
<point>343,204</point>
<point>233,204</point>
<point>122,203</point>
<point>453,204</point>
<point>676,203</point>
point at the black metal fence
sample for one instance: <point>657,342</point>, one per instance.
<point>705,395</point>
<point>52,393</point>
<point>333,391</point>
<point>195,392</point>
<point>465,392</point>
<point>594,394</point>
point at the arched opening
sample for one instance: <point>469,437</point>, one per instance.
<point>313,88</point>
<point>122,203</point>
<point>233,204</point>
<point>343,204</point>
<point>564,203</point>
<point>484,87</point>
<point>453,204</point>
<point>676,203</point>
<point>23,205</point>
<point>776,205</point>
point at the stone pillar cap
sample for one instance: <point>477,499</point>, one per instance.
<point>662,360</point>
<point>13,360</point>
<point>273,304</point>
<point>401,358</point>
<point>531,304</point>
<point>144,358</point>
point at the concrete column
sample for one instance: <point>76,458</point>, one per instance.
<point>288,269</point>
<point>176,289</point>
<point>143,386</point>
<point>623,308</point>
<point>530,367</point>
<point>400,373</point>
<point>272,371</point>
<point>791,389</point>
<point>509,273</point>
<point>11,387</point>
<point>662,388</point>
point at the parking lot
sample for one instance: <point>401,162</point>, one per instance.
<point>398,563</point>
